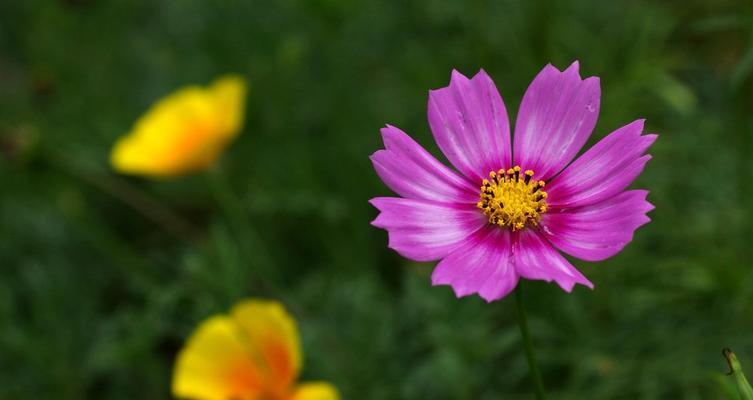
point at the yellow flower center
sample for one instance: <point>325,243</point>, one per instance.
<point>512,199</point>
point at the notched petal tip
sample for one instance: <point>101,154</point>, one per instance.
<point>483,76</point>
<point>489,300</point>
<point>375,223</point>
<point>550,68</point>
<point>640,193</point>
<point>388,129</point>
<point>374,157</point>
<point>457,81</point>
<point>583,281</point>
<point>378,222</point>
<point>573,71</point>
<point>594,81</point>
<point>566,286</point>
<point>447,281</point>
<point>390,134</point>
<point>574,67</point>
<point>460,292</point>
<point>637,127</point>
<point>491,297</point>
<point>379,203</point>
<point>650,139</point>
<point>457,76</point>
<point>481,72</point>
<point>647,205</point>
<point>570,285</point>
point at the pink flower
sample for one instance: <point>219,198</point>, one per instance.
<point>512,206</point>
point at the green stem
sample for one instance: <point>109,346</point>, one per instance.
<point>120,189</point>
<point>746,392</point>
<point>538,384</point>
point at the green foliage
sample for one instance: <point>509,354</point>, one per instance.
<point>103,276</point>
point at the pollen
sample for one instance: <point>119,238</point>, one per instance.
<point>512,199</point>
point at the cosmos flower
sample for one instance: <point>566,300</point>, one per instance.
<point>254,353</point>
<point>184,132</point>
<point>509,207</point>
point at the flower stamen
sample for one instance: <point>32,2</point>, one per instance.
<point>511,200</point>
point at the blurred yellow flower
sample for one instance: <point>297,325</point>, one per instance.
<point>254,353</point>
<point>184,132</point>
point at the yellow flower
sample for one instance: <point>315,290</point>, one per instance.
<point>254,353</point>
<point>184,132</point>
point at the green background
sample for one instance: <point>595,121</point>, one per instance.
<point>102,277</point>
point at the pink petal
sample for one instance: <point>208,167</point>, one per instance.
<point>536,259</point>
<point>483,265</point>
<point>605,170</point>
<point>597,231</point>
<point>470,125</point>
<point>556,117</point>
<point>424,230</point>
<point>410,171</point>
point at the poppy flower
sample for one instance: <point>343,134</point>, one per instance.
<point>254,353</point>
<point>511,206</point>
<point>183,133</point>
